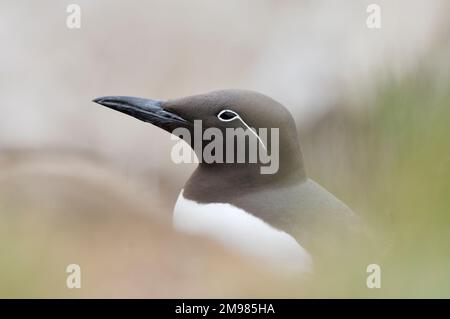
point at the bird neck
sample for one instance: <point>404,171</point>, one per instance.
<point>216,182</point>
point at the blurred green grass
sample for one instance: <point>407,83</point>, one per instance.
<point>411,126</point>
<point>390,161</point>
<point>406,185</point>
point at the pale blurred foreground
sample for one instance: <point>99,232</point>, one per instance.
<point>59,209</point>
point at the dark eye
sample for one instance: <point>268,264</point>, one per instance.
<point>227,115</point>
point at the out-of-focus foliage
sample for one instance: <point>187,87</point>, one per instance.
<point>401,183</point>
<point>412,184</point>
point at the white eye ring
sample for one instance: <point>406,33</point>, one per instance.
<point>236,116</point>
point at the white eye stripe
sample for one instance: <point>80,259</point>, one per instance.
<point>237,116</point>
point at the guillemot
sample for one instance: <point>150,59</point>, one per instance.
<point>284,218</point>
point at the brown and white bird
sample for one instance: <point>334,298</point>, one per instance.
<point>284,219</point>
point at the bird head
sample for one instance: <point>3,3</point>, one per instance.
<point>223,110</point>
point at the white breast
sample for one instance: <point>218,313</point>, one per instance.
<point>242,232</point>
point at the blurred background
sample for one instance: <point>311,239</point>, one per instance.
<point>83,184</point>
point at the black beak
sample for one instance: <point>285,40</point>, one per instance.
<point>147,110</point>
